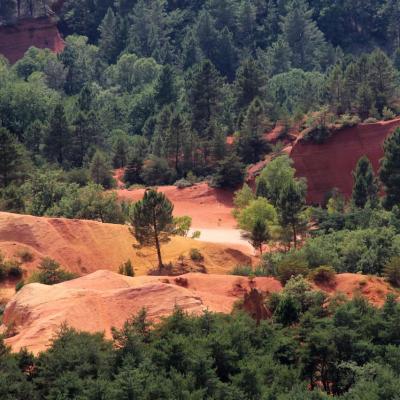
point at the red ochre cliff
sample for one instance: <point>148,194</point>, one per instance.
<point>330,165</point>
<point>16,39</point>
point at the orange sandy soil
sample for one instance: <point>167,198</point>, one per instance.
<point>83,246</point>
<point>209,208</point>
<point>103,299</point>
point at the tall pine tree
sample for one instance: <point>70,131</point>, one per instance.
<point>365,188</point>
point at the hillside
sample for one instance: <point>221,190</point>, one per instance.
<point>103,299</point>
<point>85,246</point>
<point>330,165</point>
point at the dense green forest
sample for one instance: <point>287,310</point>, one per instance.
<point>350,350</point>
<point>156,86</point>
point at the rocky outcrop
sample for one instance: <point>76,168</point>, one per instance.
<point>16,39</point>
<point>101,300</point>
<point>330,164</point>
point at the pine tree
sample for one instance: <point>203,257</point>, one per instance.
<point>56,143</point>
<point>206,35</point>
<point>336,89</point>
<point>204,95</point>
<point>177,132</point>
<point>278,57</point>
<point>251,145</point>
<point>381,78</point>
<point>290,206</point>
<point>10,157</point>
<point>219,145</point>
<point>259,235</point>
<point>100,170</point>
<point>389,172</point>
<point>133,170</point>
<point>301,33</point>
<point>152,221</point>
<point>365,188</point>
<point>247,25</point>
<point>120,150</point>
<point>109,35</point>
<point>248,84</point>
<point>227,54</point>
<point>165,88</point>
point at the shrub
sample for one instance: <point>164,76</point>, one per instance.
<point>196,234</point>
<point>348,120</point>
<point>126,268</point>
<point>291,266</point>
<point>13,269</point>
<point>317,134</point>
<point>156,171</point>
<point>387,114</point>
<point>20,284</point>
<point>323,275</point>
<point>51,273</point>
<point>370,120</point>
<point>25,255</point>
<point>392,271</point>
<point>182,225</point>
<point>248,270</point>
<point>183,183</point>
<point>195,255</point>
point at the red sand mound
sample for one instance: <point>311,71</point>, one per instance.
<point>208,207</point>
<point>85,246</point>
<point>330,165</point>
<point>104,299</point>
<point>42,33</point>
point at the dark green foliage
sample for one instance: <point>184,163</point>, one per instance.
<point>291,266</point>
<point>392,271</point>
<point>100,171</point>
<point>352,354</point>
<point>389,172</point>
<point>156,171</point>
<point>152,220</point>
<point>126,268</point>
<point>324,275</point>
<point>230,172</point>
<point>259,235</point>
<point>365,188</point>
<point>11,158</point>
<point>50,273</point>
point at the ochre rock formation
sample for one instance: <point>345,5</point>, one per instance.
<point>104,299</point>
<point>330,164</point>
<point>83,246</point>
<point>16,39</point>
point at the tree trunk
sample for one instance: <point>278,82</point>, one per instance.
<point>294,236</point>
<point>160,263</point>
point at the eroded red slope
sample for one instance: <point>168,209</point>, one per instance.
<point>42,33</point>
<point>330,165</point>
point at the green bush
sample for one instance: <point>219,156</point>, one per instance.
<point>292,266</point>
<point>248,270</point>
<point>13,269</point>
<point>50,273</point>
<point>183,183</point>
<point>25,255</point>
<point>392,271</point>
<point>126,268</point>
<point>195,255</point>
<point>370,120</point>
<point>388,114</point>
<point>323,275</point>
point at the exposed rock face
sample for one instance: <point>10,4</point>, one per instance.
<point>98,301</point>
<point>330,165</point>
<point>83,246</point>
<point>16,39</point>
